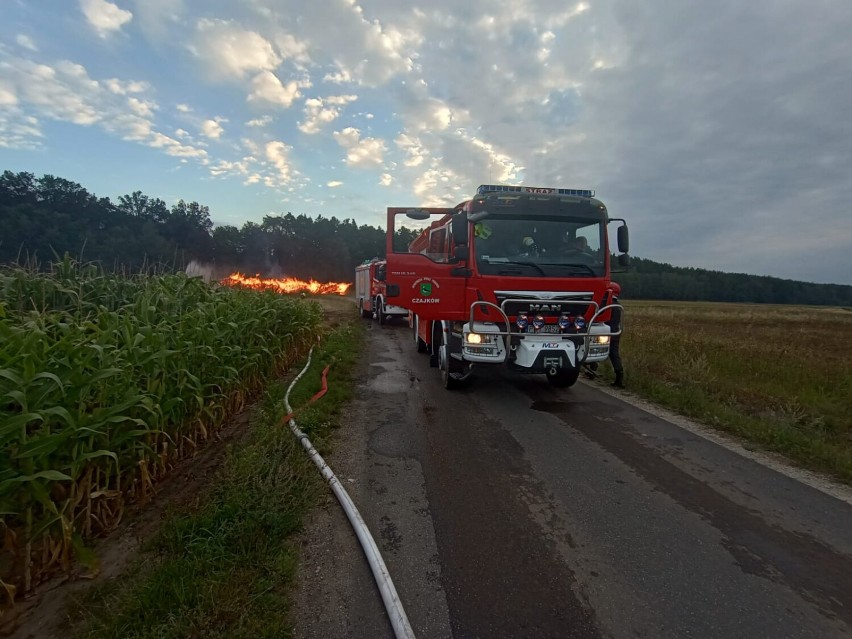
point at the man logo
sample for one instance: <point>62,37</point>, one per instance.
<point>425,289</point>
<point>545,307</point>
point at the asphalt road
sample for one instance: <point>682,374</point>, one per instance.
<point>513,509</point>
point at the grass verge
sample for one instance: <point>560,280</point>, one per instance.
<point>777,376</point>
<point>225,568</point>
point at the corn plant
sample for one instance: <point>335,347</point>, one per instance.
<point>105,382</point>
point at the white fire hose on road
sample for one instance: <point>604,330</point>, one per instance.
<point>393,606</point>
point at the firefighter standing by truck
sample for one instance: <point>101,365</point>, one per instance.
<point>614,345</point>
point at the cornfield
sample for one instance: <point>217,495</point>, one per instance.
<point>105,381</point>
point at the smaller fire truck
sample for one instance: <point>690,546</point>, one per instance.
<point>371,292</point>
<point>517,276</point>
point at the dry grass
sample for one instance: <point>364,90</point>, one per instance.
<point>780,376</point>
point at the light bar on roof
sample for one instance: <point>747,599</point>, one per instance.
<point>532,190</point>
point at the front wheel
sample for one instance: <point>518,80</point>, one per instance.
<point>380,313</point>
<point>453,373</point>
<point>564,377</point>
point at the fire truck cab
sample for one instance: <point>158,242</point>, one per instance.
<point>371,292</point>
<point>516,276</point>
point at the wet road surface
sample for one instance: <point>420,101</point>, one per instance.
<point>514,509</point>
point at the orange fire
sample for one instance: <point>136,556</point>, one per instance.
<point>287,285</point>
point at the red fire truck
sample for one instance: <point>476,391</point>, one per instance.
<point>516,276</point>
<point>371,291</point>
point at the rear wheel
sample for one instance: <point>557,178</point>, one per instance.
<point>564,377</point>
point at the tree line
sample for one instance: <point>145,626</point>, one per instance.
<point>651,280</point>
<point>44,218</point>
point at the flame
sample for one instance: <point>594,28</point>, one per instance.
<point>287,284</point>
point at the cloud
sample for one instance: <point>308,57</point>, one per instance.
<point>212,129</point>
<point>7,95</point>
<point>174,147</point>
<point>360,153</point>
<point>319,112</point>
<point>341,39</point>
<point>278,155</point>
<point>226,168</point>
<point>18,131</point>
<point>259,122</point>
<point>413,149</point>
<point>105,17</point>
<point>266,87</point>
<point>385,179</point>
<point>333,184</point>
<point>142,108</point>
<point>227,49</point>
<point>26,42</point>
<point>120,87</point>
<point>65,92</point>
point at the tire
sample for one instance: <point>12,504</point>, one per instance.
<point>452,376</point>
<point>564,377</point>
<point>380,313</point>
<point>364,312</point>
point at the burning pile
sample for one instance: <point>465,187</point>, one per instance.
<point>287,285</point>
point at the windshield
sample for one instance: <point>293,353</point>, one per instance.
<point>543,247</point>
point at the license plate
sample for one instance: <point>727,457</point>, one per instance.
<point>547,328</point>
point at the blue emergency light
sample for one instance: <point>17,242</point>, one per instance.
<point>532,190</point>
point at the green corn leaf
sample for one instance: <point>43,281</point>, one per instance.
<point>50,475</point>
<point>43,445</point>
<point>52,377</point>
<point>18,396</point>
<point>12,376</point>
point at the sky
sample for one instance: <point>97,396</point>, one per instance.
<point>721,131</point>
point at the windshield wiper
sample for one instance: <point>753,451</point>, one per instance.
<point>584,267</point>
<point>533,264</point>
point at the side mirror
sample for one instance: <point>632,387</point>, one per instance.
<point>461,253</point>
<point>459,229</point>
<point>623,239</point>
<point>381,274</point>
<point>417,214</point>
<point>624,259</point>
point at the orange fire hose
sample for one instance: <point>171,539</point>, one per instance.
<point>286,419</point>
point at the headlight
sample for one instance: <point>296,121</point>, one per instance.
<point>474,338</point>
<point>522,320</point>
<point>601,339</point>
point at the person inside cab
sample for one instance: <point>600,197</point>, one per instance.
<point>575,245</point>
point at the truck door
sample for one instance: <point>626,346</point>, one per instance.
<point>426,262</point>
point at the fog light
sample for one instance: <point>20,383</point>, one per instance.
<point>579,322</point>
<point>522,321</point>
<point>538,322</point>
<point>564,321</point>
